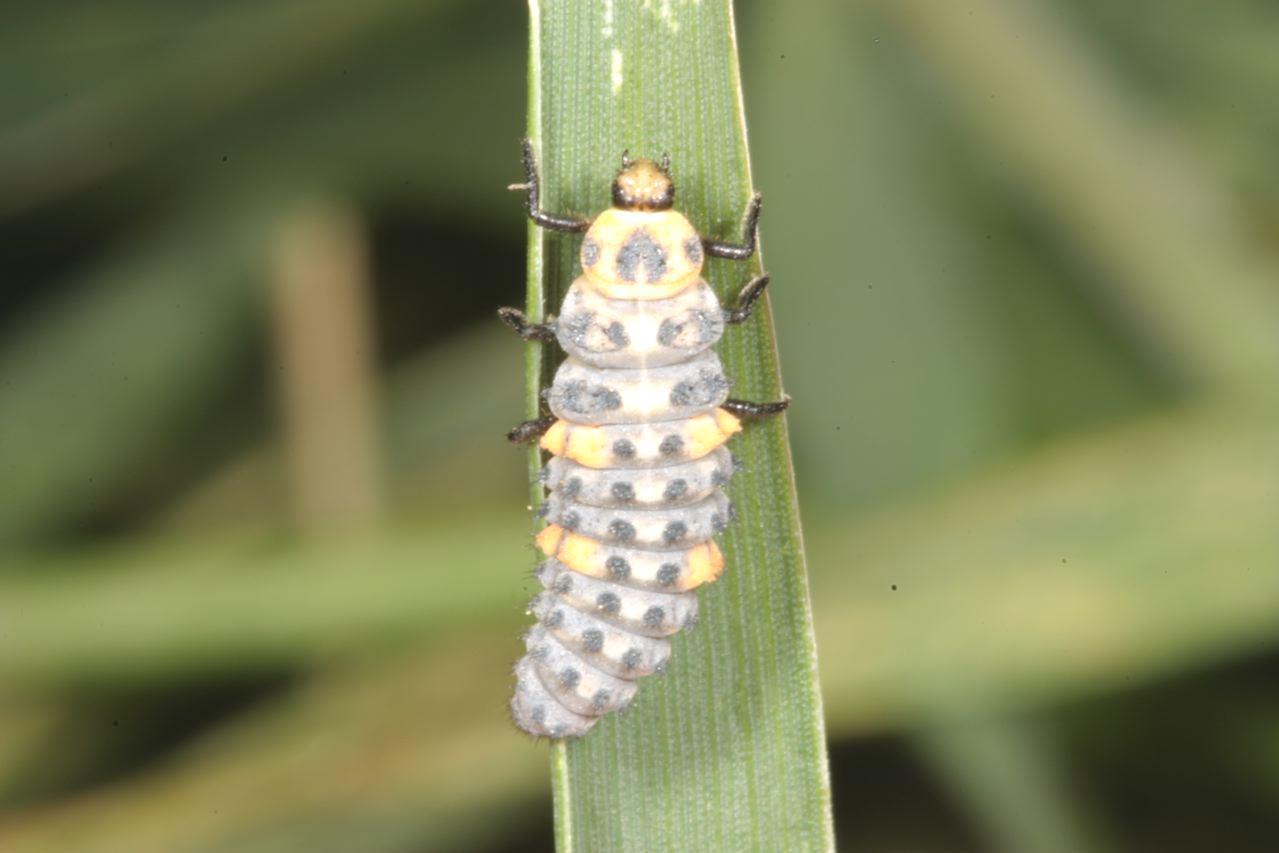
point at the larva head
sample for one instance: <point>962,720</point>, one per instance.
<point>644,185</point>
<point>640,248</point>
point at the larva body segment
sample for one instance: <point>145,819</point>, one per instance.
<point>628,333</point>
<point>640,445</point>
<point>670,485</point>
<point>636,478</point>
<point>616,395</point>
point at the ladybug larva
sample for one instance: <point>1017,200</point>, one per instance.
<point>639,414</point>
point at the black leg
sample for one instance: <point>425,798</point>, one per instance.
<point>746,300</point>
<point>747,409</point>
<point>530,430</point>
<point>738,251</point>
<point>553,221</point>
<point>515,318</point>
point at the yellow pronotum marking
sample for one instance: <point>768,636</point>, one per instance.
<point>667,230</point>
<point>705,564</point>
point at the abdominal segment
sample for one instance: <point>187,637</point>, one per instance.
<point>635,500</point>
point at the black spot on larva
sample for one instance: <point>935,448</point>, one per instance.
<point>539,714</point>
<point>707,325</point>
<point>618,568</point>
<point>703,391</point>
<point>623,448</point>
<point>563,583</point>
<point>690,620</point>
<point>555,619</point>
<point>590,252</point>
<point>570,521</point>
<point>675,531</point>
<point>571,487</point>
<point>693,249</point>
<point>719,477</point>
<point>654,617</point>
<point>540,652</point>
<point>600,699</point>
<point>732,511</point>
<point>623,491</point>
<point>576,326</point>
<point>684,394</point>
<point>668,332</point>
<point>640,251</point>
<point>609,602</point>
<point>559,730</point>
<point>569,677</point>
<point>737,463</point>
<point>660,666</point>
<point>593,639</point>
<point>544,476</point>
<point>718,523</point>
<point>543,511</point>
<point>621,530</point>
<point>617,334</point>
<point>584,398</point>
<point>671,445</point>
<point>675,489</point>
<point>632,658</point>
<point>668,574</point>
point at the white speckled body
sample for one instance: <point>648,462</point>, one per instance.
<point>636,479</point>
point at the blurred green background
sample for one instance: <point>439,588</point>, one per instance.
<point>263,550</point>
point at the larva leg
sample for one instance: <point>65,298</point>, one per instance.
<point>746,300</point>
<point>738,251</point>
<point>553,221</point>
<point>747,409</point>
<point>530,430</point>
<point>516,319</point>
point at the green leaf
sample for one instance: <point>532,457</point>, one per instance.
<point>726,751</point>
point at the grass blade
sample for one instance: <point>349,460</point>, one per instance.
<point>727,750</point>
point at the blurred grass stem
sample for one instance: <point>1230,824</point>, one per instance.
<point>326,379</point>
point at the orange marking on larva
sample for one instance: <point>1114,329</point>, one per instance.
<point>728,423</point>
<point>704,435</point>
<point>554,439</point>
<point>549,539</point>
<point>580,554</point>
<point>705,564</point>
<point>588,446</point>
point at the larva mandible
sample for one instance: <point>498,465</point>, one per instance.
<point>639,416</point>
